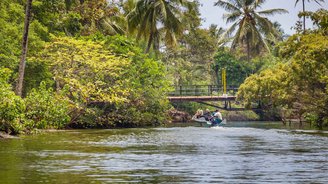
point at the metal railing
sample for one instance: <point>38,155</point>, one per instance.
<point>202,90</point>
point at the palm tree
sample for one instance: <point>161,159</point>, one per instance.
<point>250,26</point>
<point>154,18</point>
<point>21,70</point>
<point>112,22</point>
<point>303,3</point>
<point>101,15</point>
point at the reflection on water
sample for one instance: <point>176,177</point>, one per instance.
<point>234,154</point>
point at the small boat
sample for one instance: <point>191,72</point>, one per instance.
<point>204,123</point>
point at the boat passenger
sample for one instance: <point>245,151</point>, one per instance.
<point>199,113</point>
<point>217,118</point>
<point>207,115</point>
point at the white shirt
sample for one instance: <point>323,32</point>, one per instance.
<point>219,115</point>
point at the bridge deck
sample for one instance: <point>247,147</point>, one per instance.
<point>201,98</point>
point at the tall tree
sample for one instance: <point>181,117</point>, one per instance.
<point>250,26</point>
<point>154,18</point>
<point>101,15</point>
<point>303,5</point>
<point>21,71</point>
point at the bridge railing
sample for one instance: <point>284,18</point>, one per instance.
<point>202,90</point>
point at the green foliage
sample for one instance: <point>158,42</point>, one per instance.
<point>310,69</point>
<point>146,17</point>
<point>251,28</point>
<point>106,70</point>
<point>146,79</point>
<point>11,31</point>
<point>300,84</point>
<point>237,70</point>
<point>320,19</point>
<point>46,109</point>
<point>304,13</point>
<point>191,62</point>
<point>72,17</point>
<point>268,87</point>
<point>36,71</point>
<point>72,24</point>
<point>11,27</point>
<point>11,106</point>
<point>80,72</point>
<point>92,72</point>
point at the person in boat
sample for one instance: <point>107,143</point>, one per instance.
<point>217,118</point>
<point>199,114</point>
<point>207,115</point>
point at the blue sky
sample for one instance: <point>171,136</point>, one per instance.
<point>213,14</point>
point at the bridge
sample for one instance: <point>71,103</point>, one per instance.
<point>204,94</point>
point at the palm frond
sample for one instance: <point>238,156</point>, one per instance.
<point>260,41</point>
<point>145,25</point>
<point>111,26</point>
<point>273,11</point>
<point>258,3</point>
<point>135,16</point>
<point>296,2</point>
<point>148,15</point>
<point>227,6</point>
<point>162,7</point>
<point>232,17</point>
<point>172,21</point>
<point>264,25</point>
<point>318,1</point>
<point>248,3</point>
<point>239,34</point>
<point>229,31</point>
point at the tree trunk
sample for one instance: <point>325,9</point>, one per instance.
<point>150,40</point>
<point>21,71</point>
<point>248,51</point>
<point>217,78</point>
<point>303,1</point>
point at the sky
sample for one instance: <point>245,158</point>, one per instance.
<point>213,14</point>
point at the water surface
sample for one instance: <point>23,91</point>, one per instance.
<point>239,153</point>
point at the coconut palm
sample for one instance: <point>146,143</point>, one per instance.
<point>112,22</point>
<point>101,15</point>
<point>155,20</point>
<point>303,4</point>
<point>249,26</point>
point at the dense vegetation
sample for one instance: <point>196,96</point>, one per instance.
<point>296,86</point>
<point>99,63</point>
<point>93,79</point>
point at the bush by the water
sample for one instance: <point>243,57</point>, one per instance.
<point>90,82</point>
<point>11,107</point>
<point>46,109</point>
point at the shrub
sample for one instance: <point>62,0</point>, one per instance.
<point>11,106</point>
<point>46,108</point>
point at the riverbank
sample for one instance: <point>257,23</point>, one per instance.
<point>4,135</point>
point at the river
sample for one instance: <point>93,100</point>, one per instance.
<point>239,153</point>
